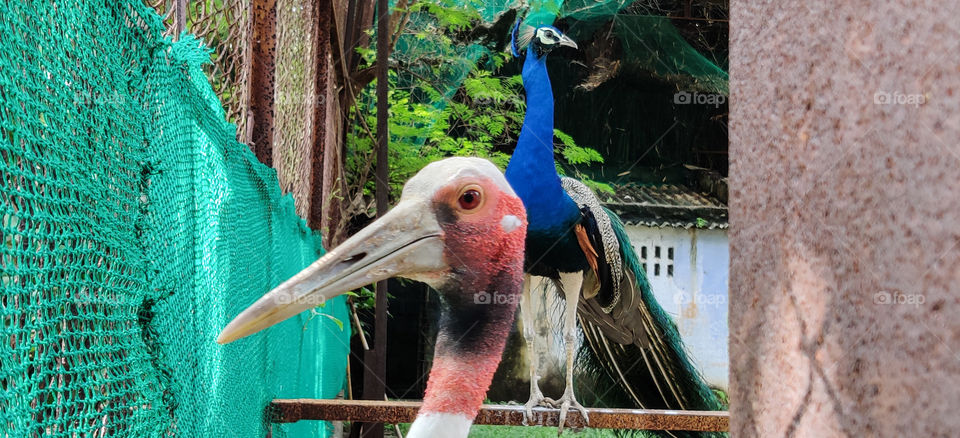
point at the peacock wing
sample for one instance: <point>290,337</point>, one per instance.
<point>629,335</point>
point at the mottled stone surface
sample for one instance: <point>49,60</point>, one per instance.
<point>845,219</point>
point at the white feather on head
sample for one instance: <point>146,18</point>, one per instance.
<point>525,35</point>
<point>520,38</point>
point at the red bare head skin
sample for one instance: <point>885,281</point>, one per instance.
<point>458,227</point>
<point>484,227</point>
<point>477,246</point>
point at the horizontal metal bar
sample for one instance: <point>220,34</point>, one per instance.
<point>293,410</point>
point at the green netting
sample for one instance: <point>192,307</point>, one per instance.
<point>593,9</point>
<point>650,42</point>
<point>432,58</point>
<point>645,43</point>
<point>653,43</point>
<point>134,227</point>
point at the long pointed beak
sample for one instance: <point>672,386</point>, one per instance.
<point>404,242</point>
<point>566,41</point>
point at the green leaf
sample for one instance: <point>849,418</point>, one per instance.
<point>580,155</point>
<point>564,138</point>
<point>335,320</point>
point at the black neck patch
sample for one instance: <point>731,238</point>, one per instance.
<point>469,319</point>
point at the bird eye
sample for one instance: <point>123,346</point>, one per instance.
<point>470,199</point>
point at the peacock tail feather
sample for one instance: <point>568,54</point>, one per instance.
<point>633,350</point>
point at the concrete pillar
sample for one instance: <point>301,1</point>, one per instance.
<point>845,219</point>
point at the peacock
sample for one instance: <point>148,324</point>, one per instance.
<point>578,248</point>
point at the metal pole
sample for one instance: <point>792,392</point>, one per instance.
<point>293,410</point>
<point>374,381</point>
<point>263,14</point>
<point>179,18</point>
<point>323,136</point>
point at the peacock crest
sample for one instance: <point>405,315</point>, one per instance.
<point>520,37</point>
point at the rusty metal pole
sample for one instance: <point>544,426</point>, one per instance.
<point>375,375</point>
<point>325,131</point>
<point>263,47</point>
<point>179,18</point>
<point>293,410</point>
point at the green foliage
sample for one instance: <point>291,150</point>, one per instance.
<point>430,118</point>
<point>572,153</point>
<point>450,15</point>
<point>722,398</point>
<point>315,312</point>
<point>575,155</point>
<point>365,297</point>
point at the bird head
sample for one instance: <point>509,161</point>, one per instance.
<point>541,39</point>
<point>458,227</point>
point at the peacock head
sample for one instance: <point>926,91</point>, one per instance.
<point>542,40</point>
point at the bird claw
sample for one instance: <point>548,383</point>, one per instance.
<point>566,402</point>
<point>536,399</point>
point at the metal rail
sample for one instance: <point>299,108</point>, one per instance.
<point>293,410</point>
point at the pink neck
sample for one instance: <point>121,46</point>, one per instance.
<point>459,380</point>
<point>473,332</point>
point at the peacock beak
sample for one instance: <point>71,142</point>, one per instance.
<point>407,241</point>
<point>566,41</point>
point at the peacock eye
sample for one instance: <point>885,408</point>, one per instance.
<point>470,199</point>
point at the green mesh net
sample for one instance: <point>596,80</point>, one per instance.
<point>133,228</point>
<point>655,45</point>
<point>644,43</point>
<point>650,42</point>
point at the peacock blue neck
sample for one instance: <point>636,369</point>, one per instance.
<point>531,171</point>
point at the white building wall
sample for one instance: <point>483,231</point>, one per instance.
<point>691,285</point>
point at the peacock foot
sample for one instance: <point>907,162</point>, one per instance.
<point>567,401</point>
<point>536,399</point>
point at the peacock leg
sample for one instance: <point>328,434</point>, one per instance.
<point>527,318</point>
<point>571,283</point>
